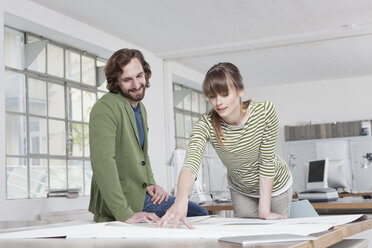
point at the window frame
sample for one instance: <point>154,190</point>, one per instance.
<point>67,84</point>
<point>185,112</point>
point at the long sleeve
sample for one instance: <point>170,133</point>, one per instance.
<point>196,147</point>
<point>266,154</point>
<point>102,137</point>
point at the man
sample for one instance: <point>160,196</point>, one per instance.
<point>123,186</point>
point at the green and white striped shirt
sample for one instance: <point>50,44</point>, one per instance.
<point>249,150</point>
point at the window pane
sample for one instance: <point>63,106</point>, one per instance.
<point>194,121</point>
<point>176,98</point>
<point>100,94</point>
<point>75,140</point>
<point>187,101</point>
<point>86,140</point>
<point>202,102</point>
<point>57,143</point>
<point>89,99</point>
<point>55,60</point>
<point>38,177</point>
<point>74,104</point>
<point>102,84</point>
<point>87,177</point>
<point>195,101</point>
<point>188,126</point>
<point>38,135</point>
<point>37,97</point>
<point>39,64</point>
<point>176,87</point>
<point>15,92</point>
<point>75,174</point>
<point>16,178</point>
<point>57,170</point>
<point>179,125</point>
<point>56,100</point>
<point>14,47</point>
<point>72,66</point>
<point>88,70</point>
<point>15,126</point>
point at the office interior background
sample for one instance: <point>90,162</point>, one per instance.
<point>311,58</point>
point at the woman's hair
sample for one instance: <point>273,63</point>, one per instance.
<point>115,64</point>
<point>217,81</point>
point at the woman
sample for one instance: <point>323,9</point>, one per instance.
<point>244,136</point>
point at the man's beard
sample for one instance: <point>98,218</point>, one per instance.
<point>134,97</point>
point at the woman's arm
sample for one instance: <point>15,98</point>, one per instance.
<point>188,174</point>
<point>178,210</point>
<point>264,211</point>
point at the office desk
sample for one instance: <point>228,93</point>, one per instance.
<point>345,205</point>
<point>212,206</point>
<point>326,239</point>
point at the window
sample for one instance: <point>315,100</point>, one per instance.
<point>189,106</point>
<point>49,91</point>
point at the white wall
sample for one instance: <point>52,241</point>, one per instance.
<point>31,17</point>
<point>2,115</point>
<point>318,102</point>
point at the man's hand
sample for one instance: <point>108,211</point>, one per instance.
<point>157,193</point>
<point>177,212</point>
<point>142,217</point>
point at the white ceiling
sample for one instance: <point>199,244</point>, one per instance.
<point>272,41</point>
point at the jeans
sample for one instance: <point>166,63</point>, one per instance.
<point>193,208</point>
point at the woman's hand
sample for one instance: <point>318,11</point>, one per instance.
<point>266,186</point>
<point>271,216</point>
<point>176,213</point>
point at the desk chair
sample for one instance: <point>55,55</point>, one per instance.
<point>300,209</point>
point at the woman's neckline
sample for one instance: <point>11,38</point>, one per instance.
<point>243,123</point>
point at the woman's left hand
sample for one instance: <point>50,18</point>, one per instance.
<point>271,216</point>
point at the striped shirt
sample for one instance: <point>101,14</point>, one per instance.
<point>249,151</point>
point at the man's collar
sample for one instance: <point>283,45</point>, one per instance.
<point>136,109</point>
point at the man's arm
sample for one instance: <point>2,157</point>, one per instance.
<point>102,135</point>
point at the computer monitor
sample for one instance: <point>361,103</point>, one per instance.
<point>317,176</point>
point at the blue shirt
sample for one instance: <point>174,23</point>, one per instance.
<point>137,115</point>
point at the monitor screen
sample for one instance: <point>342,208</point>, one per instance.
<point>317,175</point>
<point>316,171</point>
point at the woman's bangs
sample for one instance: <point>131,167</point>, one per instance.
<point>216,84</point>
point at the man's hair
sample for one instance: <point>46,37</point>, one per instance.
<point>115,64</point>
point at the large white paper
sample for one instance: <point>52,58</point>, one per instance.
<point>205,227</point>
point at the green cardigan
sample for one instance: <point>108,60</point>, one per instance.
<point>121,169</point>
